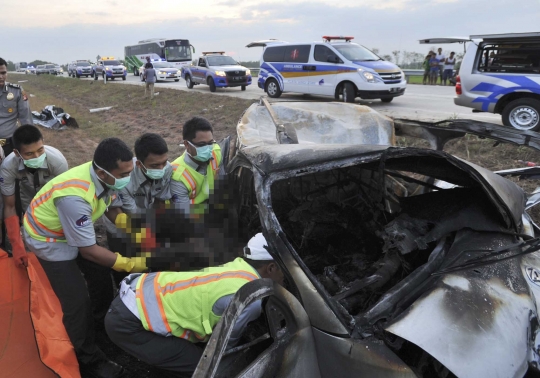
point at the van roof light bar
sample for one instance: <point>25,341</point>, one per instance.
<point>330,38</point>
<point>213,52</point>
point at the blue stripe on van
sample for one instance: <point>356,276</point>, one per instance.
<point>523,83</point>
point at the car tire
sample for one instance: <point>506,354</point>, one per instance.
<point>177,80</point>
<point>78,76</point>
<point>348,92</point>
<point>272,88</point>
<point>211,84</point>
<point>124,77</point>
<point>189,82</point>
<point>387,99</point>
<point>243,87</point>
<point>522,114</point>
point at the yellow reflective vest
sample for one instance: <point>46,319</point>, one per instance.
<point>180,303</point>
<point>41,220</point>
<point>198,185</point>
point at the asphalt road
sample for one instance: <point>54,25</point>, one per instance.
<point>420,102</point>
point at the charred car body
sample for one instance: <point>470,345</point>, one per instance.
<point>400,262</point>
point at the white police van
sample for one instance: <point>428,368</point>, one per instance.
<point>341,69</point>
<point>500,73</point>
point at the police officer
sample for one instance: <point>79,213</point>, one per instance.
<point>160,318</point>
<point>13,106</point>
<point>33,164</point>
<point>194,171</point>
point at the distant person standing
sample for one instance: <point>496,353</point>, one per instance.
<point>425,66</point>
<point>13,106</point>
<point>433,69</point>
<point>449,64</point>
<point>149,78</point>
<point>440,57</point>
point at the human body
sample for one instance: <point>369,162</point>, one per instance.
<point>449,67</point>
<point>150,79</point>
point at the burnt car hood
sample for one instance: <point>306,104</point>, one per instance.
<point>507,197</point>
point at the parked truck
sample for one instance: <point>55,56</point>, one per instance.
<point>216,69</point>
<point>79,68</point>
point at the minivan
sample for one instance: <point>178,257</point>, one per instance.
<point>500,74</point>
<point>342,69</point>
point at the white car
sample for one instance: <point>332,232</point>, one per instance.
<point>165,71</point>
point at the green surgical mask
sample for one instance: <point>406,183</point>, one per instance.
<point>154,174</point>
<point>119,183</point>
<point>204,153</point>
<point>35,162</point>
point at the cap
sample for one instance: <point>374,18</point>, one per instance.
<point>256,249</point>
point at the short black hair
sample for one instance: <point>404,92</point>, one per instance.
<point>26,134</point>
<point>195,124</point>
<point>257,264</point>
<point>109,152</point>
<point>3,62</point>
<point>150,143</point>
<point>148,65</point>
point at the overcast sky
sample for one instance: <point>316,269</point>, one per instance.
<point>73,29</point>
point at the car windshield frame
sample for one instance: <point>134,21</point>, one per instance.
<point>356,53</point>
<point>83,64</point>
<point>111,63</point>
<point>225,60</point>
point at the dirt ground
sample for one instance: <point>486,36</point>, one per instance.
<point>133,115</point>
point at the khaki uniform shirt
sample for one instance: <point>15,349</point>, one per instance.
<point>13,106</point>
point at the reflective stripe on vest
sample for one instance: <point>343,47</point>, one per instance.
<point>198,185</point>
<point>180,303</point>
<point>42,222</point>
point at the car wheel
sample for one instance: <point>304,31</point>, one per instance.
<point>348,92</point>
<point>272,88</point>
<point>189,83</point>
<point>243,87</point>
<point>387,99</point>
<point>522,114</point>
<point>211,84</point>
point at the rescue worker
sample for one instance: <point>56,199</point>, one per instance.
<point>13,106</point>
<point>161,318</point>
<point>151,176</point>
<point>33,164</point>
<point>194,172</point>
<point>148,187</point>
<point>59,229</point>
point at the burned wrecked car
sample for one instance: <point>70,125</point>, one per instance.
<point>399,262</point>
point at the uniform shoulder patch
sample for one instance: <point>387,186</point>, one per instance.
<point>13,85</point>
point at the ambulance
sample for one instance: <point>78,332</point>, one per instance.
<point>334,67</point>
<point>500,74</point>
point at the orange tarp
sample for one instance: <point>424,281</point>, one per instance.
<point>33,340</point>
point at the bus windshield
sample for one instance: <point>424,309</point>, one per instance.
<point>23,64</point>
<point>177,50</point>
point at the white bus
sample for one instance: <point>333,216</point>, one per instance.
<point>176,51</point>
<point>21,66</point>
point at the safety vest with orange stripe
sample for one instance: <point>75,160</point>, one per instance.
<point>198,185</point>
<point>180,303</point>
<point>41,220</point>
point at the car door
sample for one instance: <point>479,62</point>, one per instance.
<point>295,69</point>
<point>197,71</point>
<point>323,81</point>
<point>287,349</point>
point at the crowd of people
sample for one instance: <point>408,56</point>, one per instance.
<point>162,318</point>
<point>438,67</point>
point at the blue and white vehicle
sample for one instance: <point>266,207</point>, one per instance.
<point>341,69</point>
<point>500,74</point>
